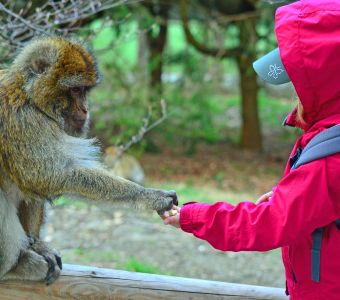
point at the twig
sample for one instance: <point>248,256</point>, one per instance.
<point>143,130</point>
<point>22,20</point>
<point>53,17</point>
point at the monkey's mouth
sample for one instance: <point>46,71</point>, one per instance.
<point>79,123</point>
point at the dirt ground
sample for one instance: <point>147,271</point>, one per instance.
<point>118,237</point>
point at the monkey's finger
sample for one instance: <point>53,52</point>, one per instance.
<point>175,199</point>
<point>59,262</point>
<point>172,194</point>
<point>51,269</point>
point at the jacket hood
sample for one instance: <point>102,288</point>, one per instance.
<point>308,35</point>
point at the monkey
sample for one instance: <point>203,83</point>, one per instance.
<point>44,153</point>
<point>125,166</point>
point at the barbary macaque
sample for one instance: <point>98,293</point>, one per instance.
<point>44,153</point>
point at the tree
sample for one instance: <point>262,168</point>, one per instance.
<point>243,14</point>
<point>156,40</point>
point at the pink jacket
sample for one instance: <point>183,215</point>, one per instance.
<point>308,33</point>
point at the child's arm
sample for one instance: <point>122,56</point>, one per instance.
<point>171,218</point>
<point>302,201</point>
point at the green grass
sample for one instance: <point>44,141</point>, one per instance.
<point>134,265</point>
<point>82,255</point>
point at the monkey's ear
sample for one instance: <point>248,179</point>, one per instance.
<point>38,56</point>
<point>40,65</point>
<point>43,58</point>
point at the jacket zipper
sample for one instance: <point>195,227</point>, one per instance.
<point>290,264</point>
<point>294,277</point>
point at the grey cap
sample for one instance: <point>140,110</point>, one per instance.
<point>271,69</point>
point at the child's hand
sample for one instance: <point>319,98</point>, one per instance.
<point>171,217</point>
<point>265,197</point>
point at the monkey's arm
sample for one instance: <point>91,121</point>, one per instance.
<point>46,163</point>
<point>92,183</point>
<point>102,185</point>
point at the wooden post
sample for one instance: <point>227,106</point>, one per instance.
<point>80,282</point>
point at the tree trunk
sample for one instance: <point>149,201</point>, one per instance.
<point>244,55</point>
<point>156,43</point>
<point>251,131</point>
<point>142,55</point>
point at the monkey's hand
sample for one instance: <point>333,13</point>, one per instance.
<point>51,256</point>
<point>160,200</point>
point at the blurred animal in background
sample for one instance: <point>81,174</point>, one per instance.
<point>44,116</point>
<point>123,165</point>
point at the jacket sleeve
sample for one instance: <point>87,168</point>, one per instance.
<point>303,200</point>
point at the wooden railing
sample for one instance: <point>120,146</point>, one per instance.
<point>80,282</point>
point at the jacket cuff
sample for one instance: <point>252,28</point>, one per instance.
<point>188,216</point>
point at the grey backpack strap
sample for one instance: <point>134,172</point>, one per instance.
<point>324,144</point>
<point>316,253</point>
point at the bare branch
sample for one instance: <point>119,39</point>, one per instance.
<point>221,53</point>
<point>54,17</point>
<point>143,130</point>
<point>20,19</point>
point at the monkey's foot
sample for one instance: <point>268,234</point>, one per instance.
<point>52,258</point>
<point>35,267</point>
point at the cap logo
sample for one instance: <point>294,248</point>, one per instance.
<point>275,71</point>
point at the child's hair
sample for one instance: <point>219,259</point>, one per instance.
<point>299,113</point>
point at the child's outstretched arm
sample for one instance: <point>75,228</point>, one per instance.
<point>294,211</point>
<point>172,217</point>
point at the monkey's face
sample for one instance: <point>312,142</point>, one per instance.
<point>76,115</point>
<point>57,74</point>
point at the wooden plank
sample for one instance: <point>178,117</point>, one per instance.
<point>80,282</point>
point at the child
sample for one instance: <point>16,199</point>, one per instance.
<point>307,198</point>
